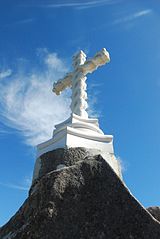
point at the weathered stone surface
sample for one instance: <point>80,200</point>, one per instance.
<point>84,201</point>
<point>53,160</point>
<point>155,211</point>
<point>50,160</point>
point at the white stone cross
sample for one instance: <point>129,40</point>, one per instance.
<point>76,80</point>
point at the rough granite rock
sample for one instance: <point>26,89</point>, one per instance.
<point>86,200</point>
<point>155,211</point>
<point>50,160</point>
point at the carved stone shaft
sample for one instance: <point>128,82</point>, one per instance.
<point>79,95</point>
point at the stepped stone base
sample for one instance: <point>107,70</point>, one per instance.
<point>83,201</point>
<point>79,132</point>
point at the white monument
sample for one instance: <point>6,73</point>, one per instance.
<point>79,130</point>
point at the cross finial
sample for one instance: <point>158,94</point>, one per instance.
<point>79,59</point>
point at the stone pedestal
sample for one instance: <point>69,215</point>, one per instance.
<point>78,132</point>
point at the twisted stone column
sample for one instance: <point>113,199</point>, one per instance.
<point>79,95</point>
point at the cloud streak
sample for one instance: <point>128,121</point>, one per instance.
<point>19,23</point>
<point>27,103</point>
<point>5,73</point>
<point>24,21</point>
<point>132,17</point>
<point>14,186</point>
<point>80,5</point>
<point>24,186</point>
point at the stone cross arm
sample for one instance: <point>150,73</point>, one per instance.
<point>62,84</point>
<point>101,58</point>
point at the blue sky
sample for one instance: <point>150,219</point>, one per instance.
<point>37,41</point>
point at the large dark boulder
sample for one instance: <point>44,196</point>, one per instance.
<point>83,201</point>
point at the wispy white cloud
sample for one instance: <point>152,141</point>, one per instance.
<point>122,165</point>
<point>81,5</point>
<point>24,185</point>
<point>5,73</point>
<point>19,22</point>
<point>3,132</point>
<point>133,16</point>
<point>93,95</point>
<point>27,181</point>
<point>24,21</point>
<point>28,104</point>
<point>91,108</point>
<point>14,186</point>
<point>54,63</point>
<point>142,13</point>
